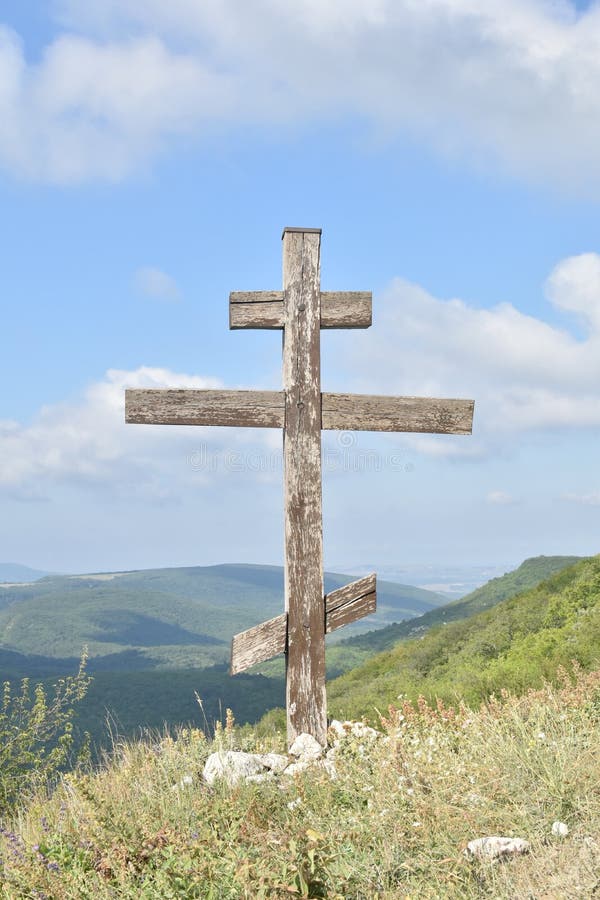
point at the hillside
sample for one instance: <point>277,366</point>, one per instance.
<point>513,645</point>
<point>527,575</point>
<point>14,573</point>
<point>177,618</point>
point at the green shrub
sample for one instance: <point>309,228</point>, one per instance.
<point>36,736</point>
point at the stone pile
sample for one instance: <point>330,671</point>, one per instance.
<point>234,766</point>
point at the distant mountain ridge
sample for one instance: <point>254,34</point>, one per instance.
<point>14,573</point>
<point>175,617</point>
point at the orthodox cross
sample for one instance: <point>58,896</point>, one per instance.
<point>302,411</point>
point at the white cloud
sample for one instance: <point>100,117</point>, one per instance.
<point>525,375</point>
<point>500,498</point>
<point>91,110</point>
<point>574,286</point>
<point>514,83</point>
<point>591,499</point>
<point>155,283</point>
<point>88,443</point>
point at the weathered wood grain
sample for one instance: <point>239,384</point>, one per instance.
<point>256,309</point>
<point>258,644</point>
<point>253,409</point>
<point>346,309</point>
<point>351,612</point>
<point>350,592</point>
<point>305,658</point>
<point>351,602</point>
<point>264,309</point>
<point>362,412</point>
<point>255,297</point>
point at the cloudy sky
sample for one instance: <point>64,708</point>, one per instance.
<point>150,154</point>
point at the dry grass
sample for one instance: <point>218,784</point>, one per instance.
<point>393,825</point>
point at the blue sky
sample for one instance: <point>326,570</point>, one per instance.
<point>149,157</point>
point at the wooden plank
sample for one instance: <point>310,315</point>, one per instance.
<point>362,412</point>
<point>253,409</point>
<point>305,658</point>
<point>351,602</point>
<point>346,309</point>
<point>258,644</point>
<point>350,592</point>
<point>256,309</point>
<point>351,612</point>
<point>264,309</point>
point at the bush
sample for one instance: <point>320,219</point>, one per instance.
<point>36,736</point>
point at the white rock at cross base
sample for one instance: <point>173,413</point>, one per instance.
<point>306,747</point>
<point>261,778</point>
<point>232,766</point>
<point>276,762</point>
<point>297,767</point>
<point>496,847</point>
<point>559,829</point>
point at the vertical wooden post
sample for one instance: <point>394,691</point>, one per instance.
<point>306,704</point>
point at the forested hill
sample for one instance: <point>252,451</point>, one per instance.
<point>514,645</point>
<point>528,575</point>
<point>176,618</point>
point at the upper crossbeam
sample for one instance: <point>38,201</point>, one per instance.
<point>265,309</point>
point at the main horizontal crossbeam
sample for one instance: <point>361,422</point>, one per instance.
<point>365,412</point>
<point>342,606</point>
<point>265,309</point>
<point>165,406</point>
<point>266,409</point>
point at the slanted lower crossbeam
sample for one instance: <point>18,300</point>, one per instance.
<point>341,607</point>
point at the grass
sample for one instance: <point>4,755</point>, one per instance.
<point>393,825</point>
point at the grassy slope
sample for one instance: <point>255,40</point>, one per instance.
<point>528,575</point>
<point>512,645</point>
<point>393,825</point>
<point>167,617</point>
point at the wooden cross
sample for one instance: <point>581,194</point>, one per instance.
<point>302,411</point>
